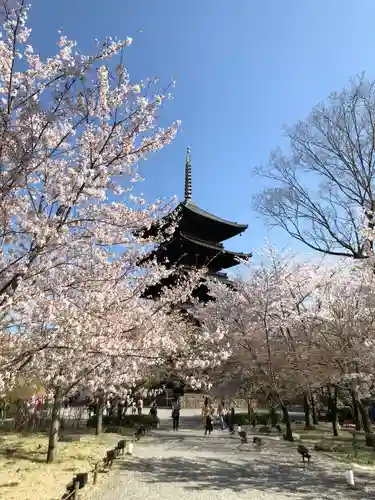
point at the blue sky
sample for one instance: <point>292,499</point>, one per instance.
<point>245,68</point>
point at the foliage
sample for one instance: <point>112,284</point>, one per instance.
<point>73,130</point>
<point>240,419</point>
<point>274,416</point>
<point>343,414</point>
<point>294,327</point>
<point>126,421</point>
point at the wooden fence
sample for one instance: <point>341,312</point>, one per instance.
<point>123,447</point>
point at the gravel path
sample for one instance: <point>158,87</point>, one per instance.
<point>186,466</point>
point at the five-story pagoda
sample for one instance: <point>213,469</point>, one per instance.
<point>197,240</point>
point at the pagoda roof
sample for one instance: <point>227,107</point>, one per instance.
<point>186,250</point>
<point>199,223</point>
<point>223,229</point>
<point>201,291</point>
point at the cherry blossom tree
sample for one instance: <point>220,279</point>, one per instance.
<point>73,130</point>
<point>346,336</point>
<point>268,322</point>
<point>294,327</point>
<point>96,333</point>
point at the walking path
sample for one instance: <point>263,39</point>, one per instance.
<point>184,465</point>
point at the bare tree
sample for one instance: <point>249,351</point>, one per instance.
<point>325,186</point>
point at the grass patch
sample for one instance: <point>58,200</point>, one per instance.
<point>24,475</point>
<point>343,448</point>
<point>365,455</point>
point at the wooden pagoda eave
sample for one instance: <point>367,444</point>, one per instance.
<point>214,247</point>
<point>223,226</point>
<point>197,220</point>
<point>182,250</point>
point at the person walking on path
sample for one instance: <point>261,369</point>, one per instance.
<point>231,419</point>
<point>154,409</point>
<point>176,414</point>
<point>140,406</point>
<point>221,409</point>
<point>209,427</point>
<point>205,411</point>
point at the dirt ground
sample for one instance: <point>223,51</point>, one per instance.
<point>24,474</point>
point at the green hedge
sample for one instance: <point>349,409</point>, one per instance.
<point>241,419</point>
<point>343,414</point>
<point>274,417</point>
<point>260,419</point>
<point>126,421</point>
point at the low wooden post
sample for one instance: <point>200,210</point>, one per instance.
<point>76,490</point>
<point>121,447</point>
<point>111,456</point>
<point>96,473</point>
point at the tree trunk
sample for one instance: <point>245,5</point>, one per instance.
<point>120,408</point>
<point>314,410</point>
<point>288,424</point>
<point>367,425</point>
<point>54,428</point>
<point>274,416</point>
<point>329,403</point>
<point>334,412</point>
<point>307,410</point>
<point>356,413</point>
<point>20,417</point>
<point>249,411</point>
<point>99,415</point>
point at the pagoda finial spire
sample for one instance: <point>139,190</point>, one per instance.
<point>188,176</point>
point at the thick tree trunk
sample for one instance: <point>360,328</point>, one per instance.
<point>314,410</point>
<point>288,424</point>
<point>307,411</point>
<point>274,416</point>
<point>329,403</point>
<point>120,408</point>
<point>249,411</point>
<point>356,413</point>
<point>54,428</point>
<point>367,425</point>
<point>20,417</point>
<point>99,415</point>
<point>334,412</point>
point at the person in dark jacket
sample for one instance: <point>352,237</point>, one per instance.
<point>231,420</point>
<point>209,424</point>
<point>176,414</point>
<point>154,409</point>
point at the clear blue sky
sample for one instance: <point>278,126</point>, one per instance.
<point>245,68</point>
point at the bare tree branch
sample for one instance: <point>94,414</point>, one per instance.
<point>323,187</point>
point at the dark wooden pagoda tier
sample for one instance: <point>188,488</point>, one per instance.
<point>186,250</point>
<point>198,223</point>
<point>196,241</point>
<point>201,292</point>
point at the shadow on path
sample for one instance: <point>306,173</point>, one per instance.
<point>202,473</point>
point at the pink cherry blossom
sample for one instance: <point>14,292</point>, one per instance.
<point>72,138</point>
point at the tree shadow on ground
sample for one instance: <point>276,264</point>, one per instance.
<point>14,453</point>
<point>10,485</point>
<point>215,474</point>
<point>218,441</point>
